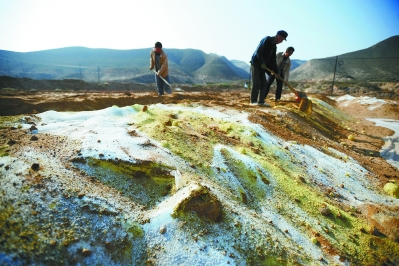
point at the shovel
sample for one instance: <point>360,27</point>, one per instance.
<point>305,105</point>
<point>162,78</point>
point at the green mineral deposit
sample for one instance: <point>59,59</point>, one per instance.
<point>392,188</point>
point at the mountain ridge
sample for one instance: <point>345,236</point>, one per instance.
<point>192,66</point>
<point>186,65</point>
<point>376,63</point>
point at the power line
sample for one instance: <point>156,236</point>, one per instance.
<point>391,57</point>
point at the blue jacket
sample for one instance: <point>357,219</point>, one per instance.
<point>265,53</point>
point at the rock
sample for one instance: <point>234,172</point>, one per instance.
<point>162,230</point>
<point>302,179</point>
<point>34,138</point>
<point>86,252</point>
<point>325,211</point>
<point>33,129</point>
<point>145,108</point>
<point>351,137</point>
<point>314,240</point>
<point>264,180</point>
<point>205,207</point>
<point>11,142</point>
<point>35,166</point>
<point>392,188</point>
<point>202,202</point>
<point>108,245</point>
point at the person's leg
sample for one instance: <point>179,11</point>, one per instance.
<point>159,83</point>
<point>262,92</point>
<point>255,84</point>
<point>166,86</point>
<point>279,89</point>
<point>269,83</point>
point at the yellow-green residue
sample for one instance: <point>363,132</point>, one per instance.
<point>4,150</point>
<point>246,176</point>
<point>193,137</point>
<point>31,238</point>
<point>134,228</point>
<point>10,120</point>
<point>145,182</point>
<point>52,205</point>
<point>189,135</point>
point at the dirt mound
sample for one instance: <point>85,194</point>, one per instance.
<point>67,188</point>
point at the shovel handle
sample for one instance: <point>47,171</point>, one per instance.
<point>285,82</point>
<point>161,77</point>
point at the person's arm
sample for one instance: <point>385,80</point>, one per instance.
<point>152,63</point>
<point>287,73</point>
<point>287,70</point>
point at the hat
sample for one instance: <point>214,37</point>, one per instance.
<point>282,33</point>
<point>158,45</point>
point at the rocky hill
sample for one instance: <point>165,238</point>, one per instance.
<point>376,63</point>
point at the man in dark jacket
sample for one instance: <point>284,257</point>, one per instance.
<point>264,56</point>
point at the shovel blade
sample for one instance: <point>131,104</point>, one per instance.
<point>305,105</point>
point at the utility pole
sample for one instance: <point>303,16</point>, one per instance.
<point>8,66</point>
<point>335,68</point>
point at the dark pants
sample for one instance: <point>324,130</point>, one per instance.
<point>258,91</point>
<point>162,86</point>
<point>279,89</point>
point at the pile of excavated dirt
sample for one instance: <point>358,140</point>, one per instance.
<point>318,130</point>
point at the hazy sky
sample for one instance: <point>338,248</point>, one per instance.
<point>316,28</point>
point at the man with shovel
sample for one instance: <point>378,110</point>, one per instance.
<point>159,61</point>
<point>264,56</point>
<point>283,66</point>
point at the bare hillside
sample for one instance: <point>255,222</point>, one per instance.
<point>379,62</point>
